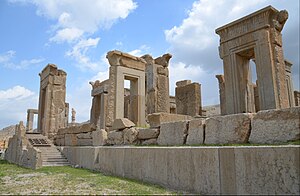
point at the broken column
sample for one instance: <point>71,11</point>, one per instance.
<point>221,81</point>
<point>188,98</point>
<point>98,110</point>
<point>157,83</point>
<point>53,110</point>
<point>30,118</point>
<point>289,82</point>
<point>297,98</point>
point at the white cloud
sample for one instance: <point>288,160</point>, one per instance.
<point>14,103</point>
<point>7,61</point>
<point>77,17</point>
<point>140,51</point>
<point>17,93</point>
<point>79,53</point>
<point>67,34</point>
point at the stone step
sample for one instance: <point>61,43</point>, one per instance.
<point>56,164</point>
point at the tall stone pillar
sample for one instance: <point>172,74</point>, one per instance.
<point>289,83</point>
<point>52,106</point>
<point>157,84</point>
<point>221,81</point>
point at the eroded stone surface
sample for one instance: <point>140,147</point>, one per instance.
<point>228,129</point>
<point>275,126</point>
<point>130,135</point>
<point>99,137</point>
<point>173,133</point>
<point>196,132</point>
<point>147,133</point>
<point>156,119</point>
<point>122,123</point>
<point>115,137</point>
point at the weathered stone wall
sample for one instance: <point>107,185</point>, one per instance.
<point>21,152</point>
<point>264,127</point>
<point>81,135</point>
<point>272,170</point>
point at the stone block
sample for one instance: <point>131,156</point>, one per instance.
<point>152,141</point>
<point>196,132</point>
<point>130,135</point>
<point>228,129</point>
<point>147,133</point>
<point>276,126</point>
<point>99,137</point>
<point>115,137</point>
<point>183,83</point>
<point>173,133</point>
<point>84,142</point>
<point>70,140</point>
<point>188,99</point>
<point>156,119</point>
<point>84,135</point>
<point>122,123</point>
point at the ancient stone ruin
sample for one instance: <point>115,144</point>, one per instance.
<point>264,112</point>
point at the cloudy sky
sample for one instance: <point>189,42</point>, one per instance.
<point>76,35</point>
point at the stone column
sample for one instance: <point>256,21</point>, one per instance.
<point>221,81</point>
<point>289,83</point>
<point>30,118</point>
<point>297,98</point>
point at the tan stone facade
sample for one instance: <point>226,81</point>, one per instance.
<point>53,110</point>
<point>256,36</point>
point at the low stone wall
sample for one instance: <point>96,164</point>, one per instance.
<point>80,135</point>
<point>203,170</point>
<point>264,127</point>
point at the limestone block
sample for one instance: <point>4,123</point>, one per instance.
<point>275,126</point>
<point>156,119</point>
<point>85,142</point>
<point>173,133</point>
<point>183,83</point>
<point>84,135</point>
<point>188,99</point>
<point>147,133</point>
<point>70,140</point>
<point>152,141</point>
<point>99,137</point>
<point>122,123</point>
<point>130,135</point>
<point>115,137</point>
<point>196,132</point>
<point>228,129</point>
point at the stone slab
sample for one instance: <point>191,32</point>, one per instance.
<point>229,129</point>
<point>196,132</point>
<point>99,137</point>
<point>173,133</point>
<point>115,137</point>
<point>147,133</point>
<point>122,123</point>
<point>84,142</point>
<point>156,119</point>
<point>276,126</point>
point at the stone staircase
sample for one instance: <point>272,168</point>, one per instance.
<point>51,156</point>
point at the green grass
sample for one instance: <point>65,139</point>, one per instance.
<point>68,180</point>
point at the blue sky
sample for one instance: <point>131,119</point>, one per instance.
<point>76,35</point>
